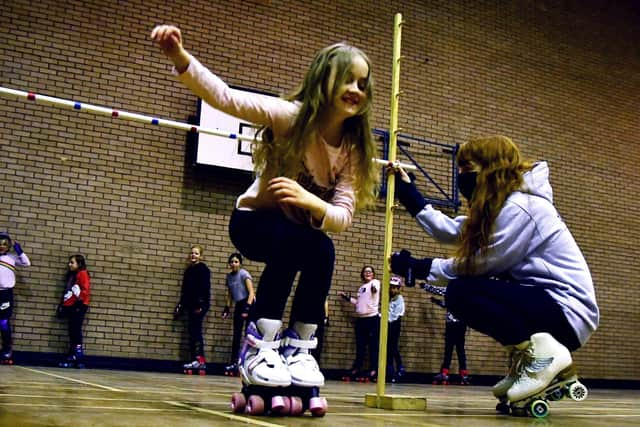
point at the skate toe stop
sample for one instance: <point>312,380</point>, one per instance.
<point>396,402</point>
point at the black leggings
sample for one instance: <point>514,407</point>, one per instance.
<point>509,312</point>
<point>196,341</point>
<point>454,335</point>
<point>367,335</point>
<point>76,318</point>
<point>285,248</point>
<point>393,346</point>
<point>238,327</point>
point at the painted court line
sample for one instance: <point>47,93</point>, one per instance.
<point>66,397</point>
<point>94,408</point>
<point>104,387</point>
<point>491,416</point>
<point>246,420</point>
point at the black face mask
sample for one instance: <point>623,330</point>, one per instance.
<point>467,183</point>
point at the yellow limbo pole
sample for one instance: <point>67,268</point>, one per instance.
<point>388,221</point>
<point>379,400</point>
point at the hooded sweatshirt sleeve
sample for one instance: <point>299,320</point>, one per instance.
<point>439,226</point>
<point>510,243</point>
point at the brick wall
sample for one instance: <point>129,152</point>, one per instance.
<point>561,78</point>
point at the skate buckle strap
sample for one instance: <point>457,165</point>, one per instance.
<point>258,343</point>
<point>298,343</point>
<point>271,358</point>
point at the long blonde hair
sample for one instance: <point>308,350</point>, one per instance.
<point>499,174</point>
<point>283,156</point>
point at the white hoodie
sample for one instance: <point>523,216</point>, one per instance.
<point>8,264</point>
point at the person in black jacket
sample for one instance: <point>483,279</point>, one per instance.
<point>195,300</point>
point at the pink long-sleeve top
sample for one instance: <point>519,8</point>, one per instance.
<point>368,299</point>
<point>327,169</point>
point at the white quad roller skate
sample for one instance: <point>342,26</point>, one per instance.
<point>263,371</point>
<point>545,372</point>
<point>501,387</point>
<point>306,378</point>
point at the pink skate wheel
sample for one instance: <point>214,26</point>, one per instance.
<point>286,407</point>
<point>318,406</point>
<point>296,406</point>
<point>202,372</point>
<point>277,404</point>
<point>255,405</point>
<point>238,403</point>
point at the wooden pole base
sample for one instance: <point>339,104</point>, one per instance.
<point>395,402</point>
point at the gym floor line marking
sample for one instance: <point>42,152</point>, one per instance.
<point>71,379</point>
<point>93,408</point>
<point>105,399</point>
<point>247,420</point>
<point>440,415</point>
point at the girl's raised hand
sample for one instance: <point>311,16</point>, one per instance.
<point>169,39</point>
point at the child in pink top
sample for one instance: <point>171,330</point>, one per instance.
<point>314,166</point>
<point>367,322</point>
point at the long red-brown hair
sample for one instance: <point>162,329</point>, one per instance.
<point>500,168</point>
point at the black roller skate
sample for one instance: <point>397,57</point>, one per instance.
<point>367,376</point>
<point>463,378</point>
<point>74,360</point>
<point>232,370</point>
<point>442,378</point>
<point>198,366</point>
<point>6,357</point>
<point>351,375</point>
<point>397,376</point>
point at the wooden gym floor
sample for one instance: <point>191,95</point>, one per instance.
<point>35,396</point>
